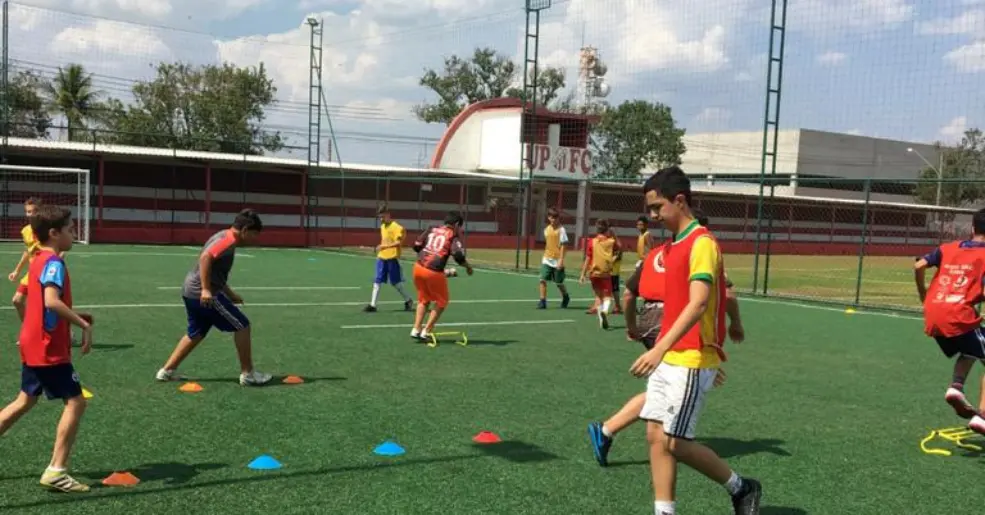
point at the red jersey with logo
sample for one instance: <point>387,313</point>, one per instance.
<point>652,282</point>
<point>950,307</point>
<point>684,262</point>
<point>436,245</point>
<point>45,338</point>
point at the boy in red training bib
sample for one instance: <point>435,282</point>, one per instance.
<point>950,311</point>
<point>46,343</point>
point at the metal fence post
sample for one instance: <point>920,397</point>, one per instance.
<point>862,241</point>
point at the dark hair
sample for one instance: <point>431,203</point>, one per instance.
<point>668,183</point>
<point>32,201</point>
<point>47,218</point>
<point>382,209</point>
<point>248,220</point>
<point>644,219</point>
<point>700,216</point>
<point>453,218</point>
<point>553,212</point>
<point>602,225</point>
<point>978,222</point>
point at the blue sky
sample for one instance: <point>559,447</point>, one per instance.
<point>905,69</point>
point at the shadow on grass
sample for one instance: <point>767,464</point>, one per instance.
<point>171,473</point>
<point>728,448</point>
<point>252,479</point>
<point>781,510</point>
<point>276,381</point>
<point>517,452</point>
<point>110,347</point>
<point>494,343</point>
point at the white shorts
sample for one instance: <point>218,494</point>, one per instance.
<point>675,396</point>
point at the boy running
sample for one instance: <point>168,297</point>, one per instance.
<point>210,302</point>
<point>600,255</point>
<point>32,248</point>
<point>46,346</point>
<point>950,312</point>
<point>681,366</point>
<point>645,331</point>
<point>552,265</point>
<point>388,259</point>
<point>434,247</point>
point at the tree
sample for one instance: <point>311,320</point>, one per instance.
<point>484,76</point>
<point>28,116</point>
<point>71,95</point>
<point>963,174</point>
<point>632,136</point>
<point>208,108</point>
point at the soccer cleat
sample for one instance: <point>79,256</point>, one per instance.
<point>960,403</point>
<point>542,304</point>
<point>977,424</point>
<point>565,300</point>
<point>369,309</point>
<point>603,320</point>
<point>746,502</point>
<point>169,375</point>
<point>62,482</point>
<point>600,443</point>
<point>409,305</point>
<point>254,378</point>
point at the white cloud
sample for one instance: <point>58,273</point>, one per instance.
<point>108,37</point>
<point>954,129</point>
<point>831,58</point>
<point>968,58</point>
<point>857,16</point>
<point>968,22</point>
<point>156,11</point>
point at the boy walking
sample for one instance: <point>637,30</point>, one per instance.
<point>682,364</point>
<point>950,312</point>
<point>600,256</point>
<point>388,259</point>
<point>552,265</point>
<point>210,302</point>
<point>46,344</point>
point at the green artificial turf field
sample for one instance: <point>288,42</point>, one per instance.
<point>825,408</point>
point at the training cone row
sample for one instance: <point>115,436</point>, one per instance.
<point>193,387</point>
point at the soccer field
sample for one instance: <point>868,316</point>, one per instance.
<point>825,408</point>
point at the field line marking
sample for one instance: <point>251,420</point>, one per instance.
<point>83,253</point>
<point>273,288</point>
<point>827,308</point>
<point>532,273</point>
<point>462,324</point>
<point>292,304</point>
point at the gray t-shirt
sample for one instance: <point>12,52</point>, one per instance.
<point>222,247</point>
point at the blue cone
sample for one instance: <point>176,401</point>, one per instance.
<point>389,448</point>
<point>264,463</point>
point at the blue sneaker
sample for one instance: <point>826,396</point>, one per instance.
<point>542,304</point>
<point>600,443</point>
<point>565,301</point>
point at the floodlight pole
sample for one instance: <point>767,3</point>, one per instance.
<point>529,110</point>
<point>314,123</point>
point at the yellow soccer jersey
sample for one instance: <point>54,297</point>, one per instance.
<point>642,242</point>
<point>32,243</point>
<point>390,233</point>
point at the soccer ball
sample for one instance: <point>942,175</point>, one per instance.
<point>451,272</point>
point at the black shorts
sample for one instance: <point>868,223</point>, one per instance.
<point>56,381</point>
<point>971,344</point>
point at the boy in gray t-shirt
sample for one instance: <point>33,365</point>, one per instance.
<point>210,302</point>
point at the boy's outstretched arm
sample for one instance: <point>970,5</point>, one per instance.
<point>20,266</point>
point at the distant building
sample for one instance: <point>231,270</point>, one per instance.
<point>731,162</point>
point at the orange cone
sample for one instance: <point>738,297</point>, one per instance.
<point>121,479</point>
<point>486,437</point>
<point>293,380</point>
<point>191,388</point>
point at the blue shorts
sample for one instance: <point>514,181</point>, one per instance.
<point>56,381</point>
<point>388,269</point>
<point>971,344</point>
<point>222,314</point>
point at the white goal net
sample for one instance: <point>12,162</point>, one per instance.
<point>65,187</point>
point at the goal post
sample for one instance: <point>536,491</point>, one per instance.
<point>65,187</point>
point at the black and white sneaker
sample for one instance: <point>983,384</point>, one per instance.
<point>369,309</point>
<point>746,502</point>
<point>409,305</point>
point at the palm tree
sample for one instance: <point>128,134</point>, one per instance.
<point>71,94</point>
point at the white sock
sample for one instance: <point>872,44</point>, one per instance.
<point>376,295</point>
<point>734,484</point>
<point>56,470</point>
<point>606,304</point>
<point>606,431</point>
<point>663,507</point>
<point>402,291</point>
